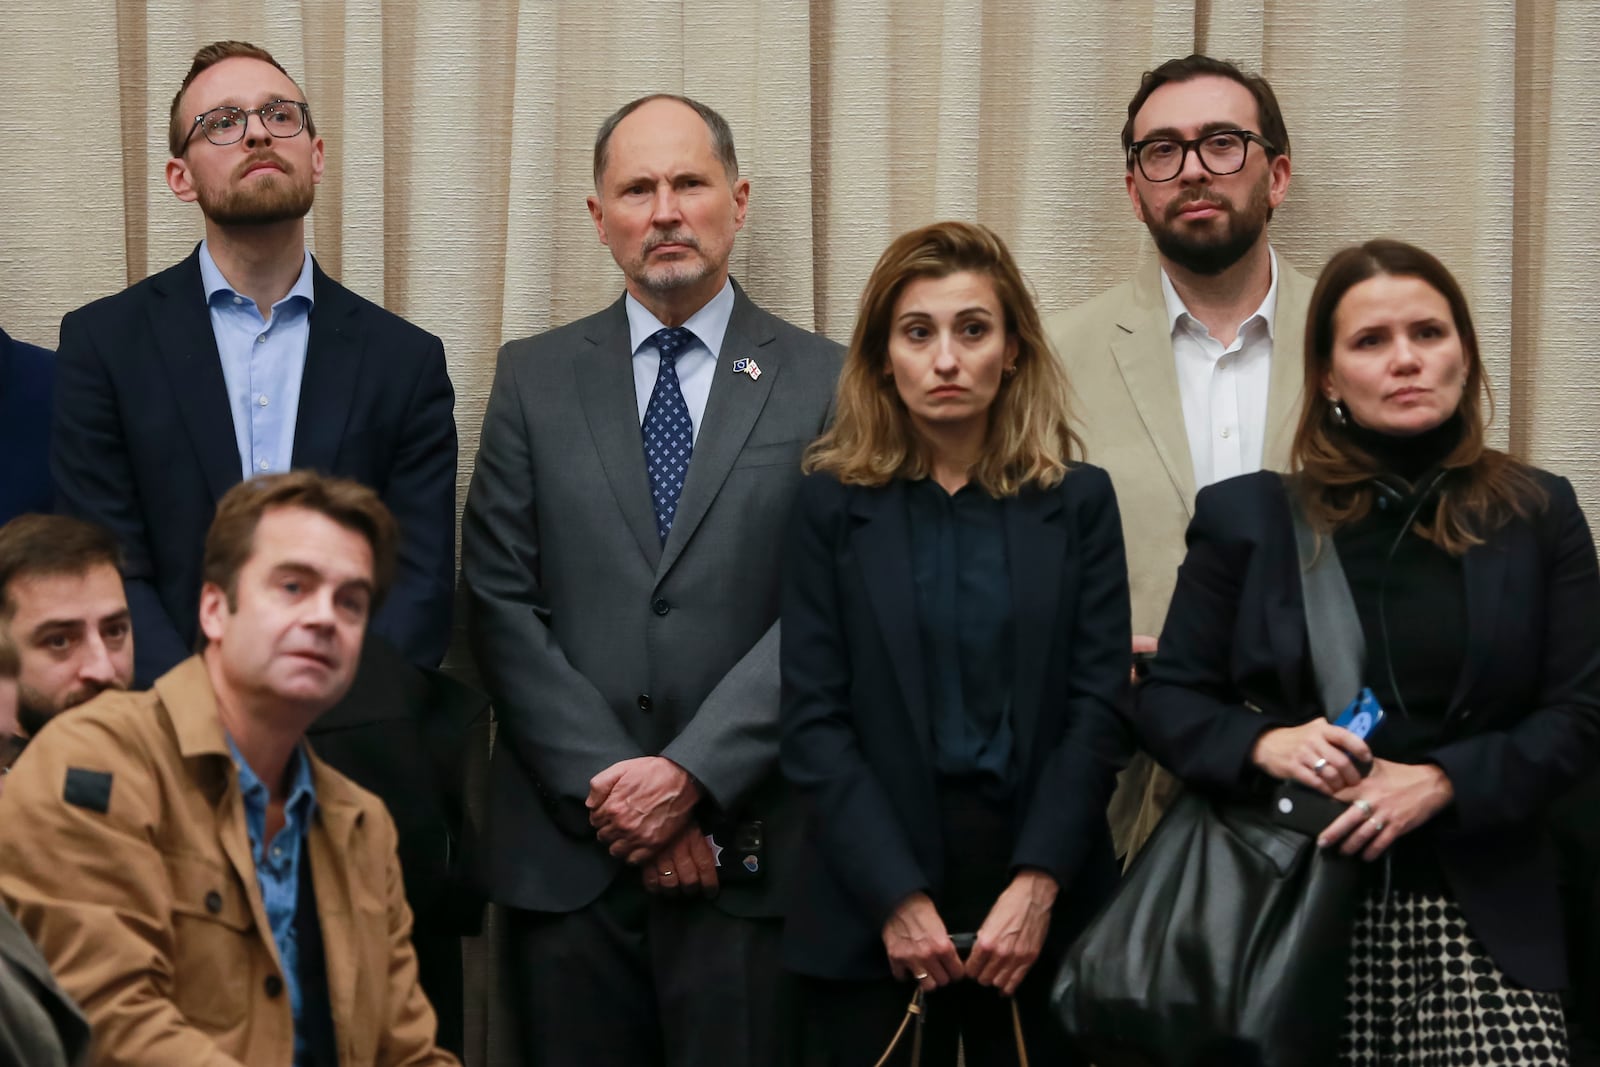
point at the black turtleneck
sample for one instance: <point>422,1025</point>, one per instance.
<point>1412,603</point>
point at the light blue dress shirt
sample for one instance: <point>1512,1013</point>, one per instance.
<point>263,361</point>
<point>278,864</point>
<point>696,365</point>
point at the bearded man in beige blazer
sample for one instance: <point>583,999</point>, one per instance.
<point>1190,371</point>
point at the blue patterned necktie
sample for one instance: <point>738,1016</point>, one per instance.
<point>668,433</point>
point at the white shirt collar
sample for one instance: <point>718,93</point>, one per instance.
<point>709,324</point>
<point>1176,310</point>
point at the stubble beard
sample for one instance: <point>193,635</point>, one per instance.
<point>671,277</point>
<point>1210,254</point>
<point>35,710</point>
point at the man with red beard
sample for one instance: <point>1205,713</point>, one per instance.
<point>246,359</point>
<point>1190,371</point>
<point>62,606</point>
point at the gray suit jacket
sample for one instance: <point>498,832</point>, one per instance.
<point>1117,349</point>
<point>39,1026</point>
<point>598,643</point>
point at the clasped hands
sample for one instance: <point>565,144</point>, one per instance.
<point>641,810</point>
<point>1392,800</point>
<point>1007,945</point>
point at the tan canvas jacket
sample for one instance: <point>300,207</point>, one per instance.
<point>124,854</point>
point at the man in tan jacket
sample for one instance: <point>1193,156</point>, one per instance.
<point>209,891</point>
<point>1190,372</point>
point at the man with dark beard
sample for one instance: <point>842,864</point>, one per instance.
<point>1189,372</point>
<point>62,606</point>
<point>247,359</point>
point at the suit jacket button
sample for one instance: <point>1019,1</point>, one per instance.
<point>660,607</point>
<point>273,986</point>
<point>214,902</point>
<point>644,701</point>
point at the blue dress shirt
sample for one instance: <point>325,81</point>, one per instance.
<point>263,361</point>
<point>278,868</point>
<point>696,365</point>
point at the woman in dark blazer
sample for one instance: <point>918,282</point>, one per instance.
<point>1475,581</point>
<point>955,635</point>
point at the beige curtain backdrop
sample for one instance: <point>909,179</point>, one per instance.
<point>459,135</point>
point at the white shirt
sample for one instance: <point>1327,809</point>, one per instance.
<point>1224,390</point>
<point>696,365</point>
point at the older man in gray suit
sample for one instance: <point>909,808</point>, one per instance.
<point>620,548</point>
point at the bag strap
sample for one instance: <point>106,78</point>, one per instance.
<point>1338,646</point>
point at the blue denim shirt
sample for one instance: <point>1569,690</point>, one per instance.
<point>278,866</point>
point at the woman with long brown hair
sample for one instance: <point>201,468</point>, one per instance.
<point>1473,576</point>
<point>955,635</point>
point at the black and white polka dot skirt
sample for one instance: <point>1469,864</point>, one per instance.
<point>1423,992</point>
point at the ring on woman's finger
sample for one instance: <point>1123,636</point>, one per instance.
<point>1321,763</point>
<point>1377,824</point>
<point>1366,808</point>
<point>921,976</point>
<point>666,874</point>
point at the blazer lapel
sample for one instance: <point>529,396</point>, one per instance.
<point>605,389</point>
<point>882,544</point>
<point>1035,547</point>
<point>1484,570</point>
<point>330,853</point>
<point>1287,376</point>
<point>731,410</point>
<point>1143,353</point>
<point>188,351</point>
<point>333,367</point>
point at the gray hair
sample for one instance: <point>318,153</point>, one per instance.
<point>721,133</point>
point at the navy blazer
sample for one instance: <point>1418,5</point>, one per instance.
<point>143,443</point>
<point>857,738</point>
<point>1522,726</point>
<point>26,376</point>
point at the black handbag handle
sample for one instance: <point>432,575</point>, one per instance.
<point>1338,645</point>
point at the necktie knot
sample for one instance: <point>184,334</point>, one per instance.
<point>670,341</point>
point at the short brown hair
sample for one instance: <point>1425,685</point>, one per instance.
<point>1198,66</point>
<point>721,133</point>
<point>51,545</point>
<point>208,56</point>
<point>231,539</point>
<point>1488,487</point>
<point>872,441</point>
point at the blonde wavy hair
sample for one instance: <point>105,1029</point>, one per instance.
<point>872,440</point>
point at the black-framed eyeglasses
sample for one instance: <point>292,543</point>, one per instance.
<point>1161,159</point>
<point>226,125</point>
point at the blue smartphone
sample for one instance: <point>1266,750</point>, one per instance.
<point>1363,715</point>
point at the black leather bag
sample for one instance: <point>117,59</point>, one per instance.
<point>1228,940</point>
<point>1226,944</point>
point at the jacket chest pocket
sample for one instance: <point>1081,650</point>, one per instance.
<point>215,944</point>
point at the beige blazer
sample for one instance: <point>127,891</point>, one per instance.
<point>1117,349</point>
